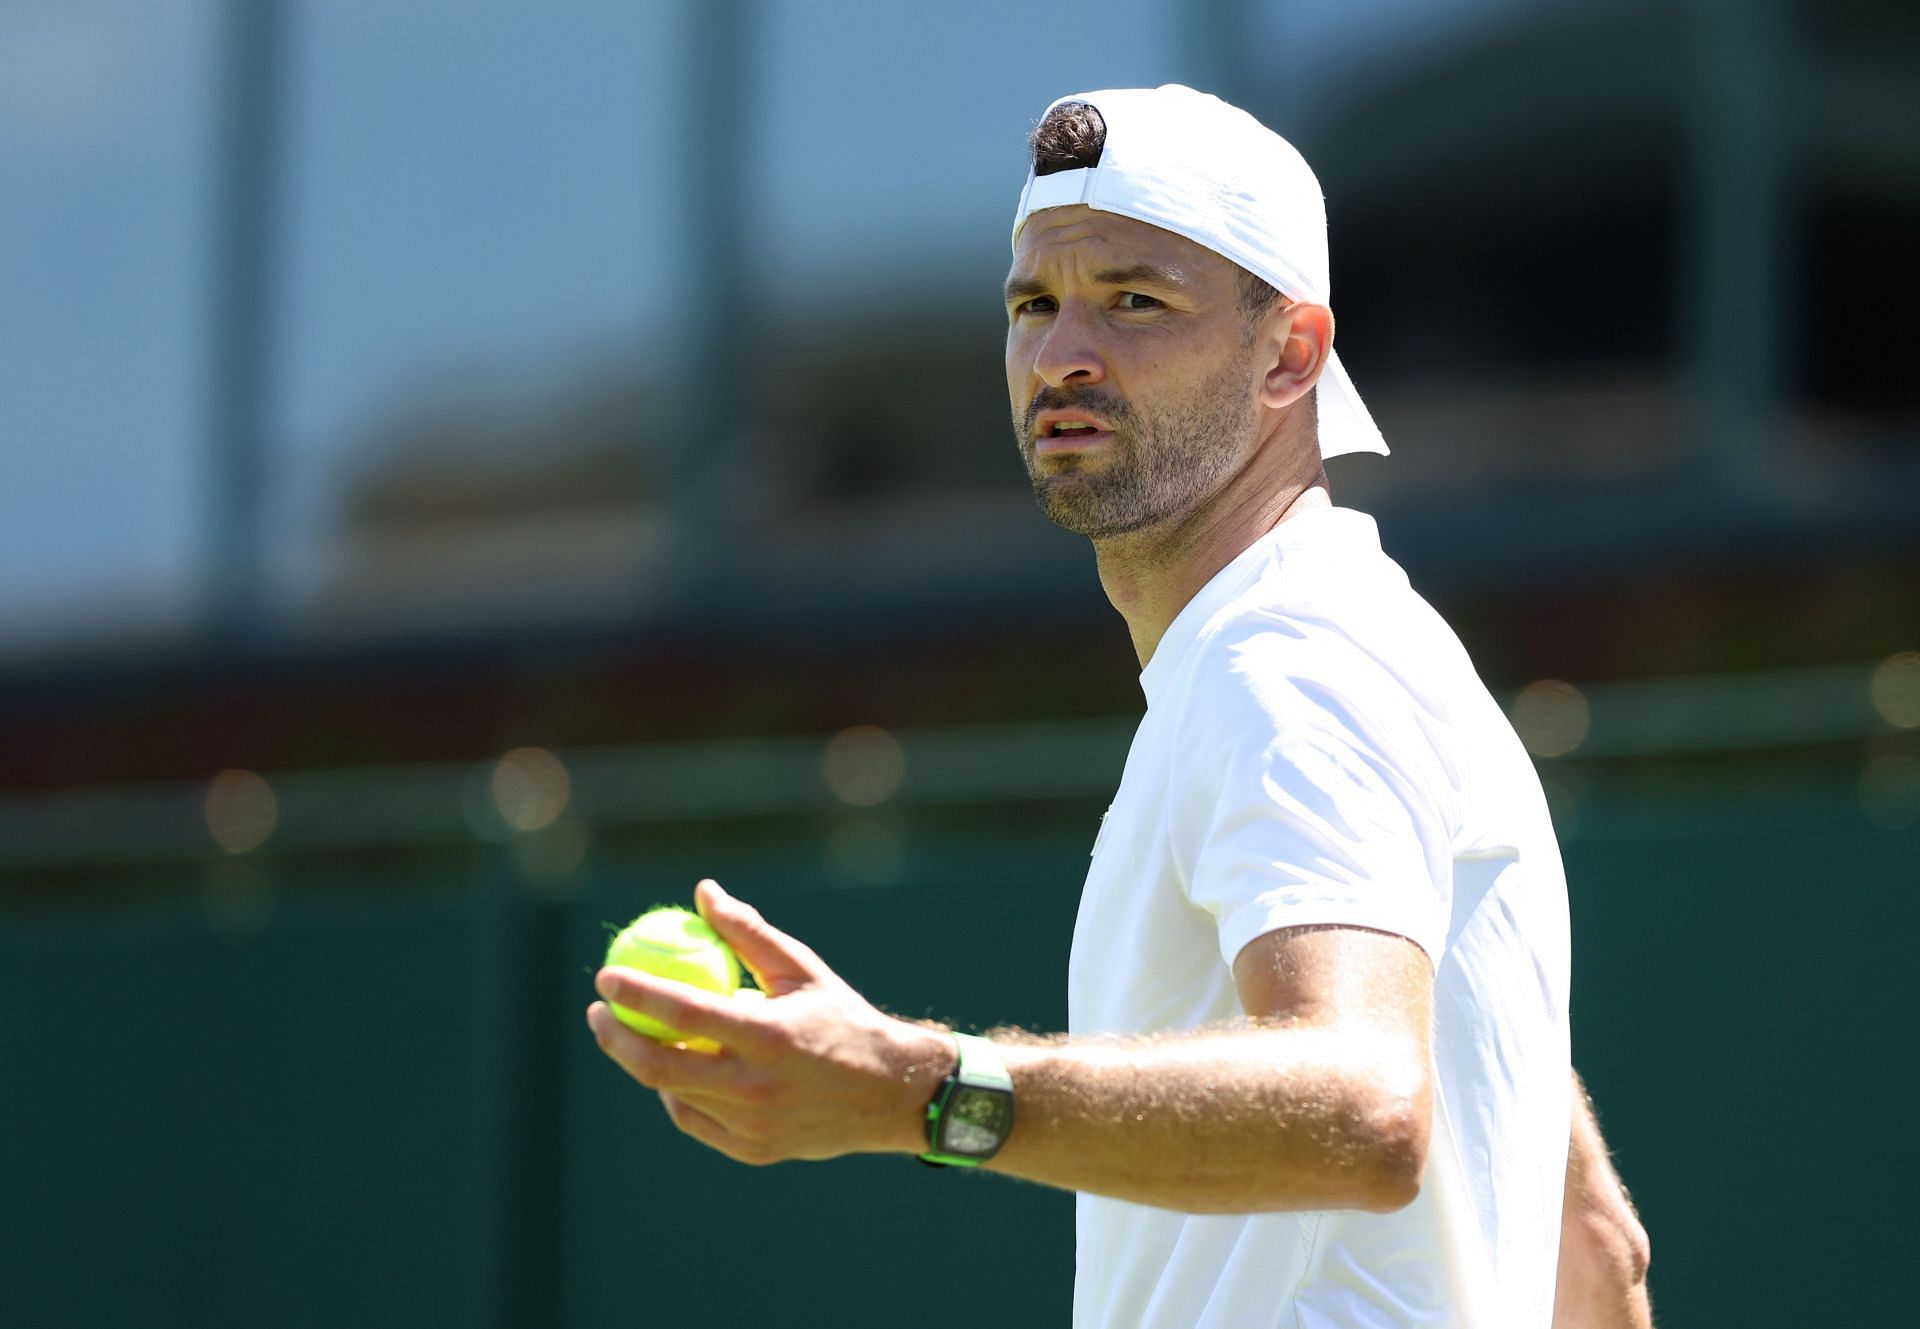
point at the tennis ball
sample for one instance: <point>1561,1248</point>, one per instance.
<point>676,944</point>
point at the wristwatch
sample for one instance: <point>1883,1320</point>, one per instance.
<point>971,1114</point>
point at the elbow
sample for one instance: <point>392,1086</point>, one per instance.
<point>1640,1258</point>
<point>1398,1131</point>
<point>1629,1251</point>
<point>1394,1178</point>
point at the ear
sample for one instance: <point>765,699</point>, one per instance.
<point>1295,338</point>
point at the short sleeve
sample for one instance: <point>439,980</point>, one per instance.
<point>1302,793</point>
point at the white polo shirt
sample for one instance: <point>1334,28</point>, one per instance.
<point>1318,749</point>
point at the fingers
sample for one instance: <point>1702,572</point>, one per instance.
<point>693,1011</point>
<point>662,1066</point>
<point>779,962</point>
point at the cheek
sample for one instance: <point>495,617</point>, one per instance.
<point>1169,357</point>
<point>1016,366</point>
<point>1018,352</point>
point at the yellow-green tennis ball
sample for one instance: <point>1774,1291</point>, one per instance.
<point>679,945</point>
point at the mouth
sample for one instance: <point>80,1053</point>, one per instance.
<point>1064,432</point>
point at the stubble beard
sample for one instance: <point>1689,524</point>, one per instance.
<point>1162,463</point>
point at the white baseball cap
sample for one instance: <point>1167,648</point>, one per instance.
<point>1189,163</point>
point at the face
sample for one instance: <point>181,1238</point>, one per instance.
<point>1130,370</point>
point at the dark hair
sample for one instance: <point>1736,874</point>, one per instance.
<point>1073,135</point>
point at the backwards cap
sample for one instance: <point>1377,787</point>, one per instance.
<point>1189,163</point>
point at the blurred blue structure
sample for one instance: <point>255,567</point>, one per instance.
<point>520,318</point>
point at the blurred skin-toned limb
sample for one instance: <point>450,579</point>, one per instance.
<point>1322,1101</point>
<point>1603,1247</point>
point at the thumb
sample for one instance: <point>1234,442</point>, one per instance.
<point>779,963</point>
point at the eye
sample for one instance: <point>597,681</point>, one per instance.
<point>1040,304</point>
<point>1136,301</point>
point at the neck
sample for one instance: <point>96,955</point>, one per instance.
<point>1150,574</point>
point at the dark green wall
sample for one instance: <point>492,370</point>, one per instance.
<point>380,1106</point>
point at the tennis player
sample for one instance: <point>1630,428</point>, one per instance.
<point>1317,1070</point>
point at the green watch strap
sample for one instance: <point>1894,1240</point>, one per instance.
<point>978,1066</point>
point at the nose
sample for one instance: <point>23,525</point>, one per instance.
<point>1068,353</point>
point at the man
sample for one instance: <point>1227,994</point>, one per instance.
<point>1318,1069</point>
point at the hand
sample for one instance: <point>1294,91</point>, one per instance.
<point>814,1071</point>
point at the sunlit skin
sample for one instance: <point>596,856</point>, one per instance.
<point>1207,439</point>
<point>1321,1101</point>
<point>1604,1252</point>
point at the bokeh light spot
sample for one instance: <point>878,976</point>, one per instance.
<point>241,811</point>
<point>864,765</point>
<point>1895,689</point>
<point>530,788</point>
<point>1552,717</point>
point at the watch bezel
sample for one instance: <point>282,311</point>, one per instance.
<point>989,1078</point>
<point>944,1128</point>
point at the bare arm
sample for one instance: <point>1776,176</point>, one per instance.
<point>1323,1102</point>
<point>1603,1248</point>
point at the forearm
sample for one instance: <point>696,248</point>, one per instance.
<point>1323,1101</point>
<point>1242,1120</point>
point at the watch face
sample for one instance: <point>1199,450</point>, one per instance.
<point>976,1121</point>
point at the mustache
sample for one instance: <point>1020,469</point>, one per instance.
<point>1111,409</point>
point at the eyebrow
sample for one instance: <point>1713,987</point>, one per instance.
<point>1151,274</point>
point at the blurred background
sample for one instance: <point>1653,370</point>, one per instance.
<point>471,469</point>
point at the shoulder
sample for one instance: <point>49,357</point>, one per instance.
<point>1261,672</point>
<point>1294,705</point>
<point>1303,789</point>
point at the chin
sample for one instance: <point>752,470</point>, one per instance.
<point>1095,520</point>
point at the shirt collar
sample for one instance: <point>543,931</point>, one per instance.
<point>1226,584</point>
